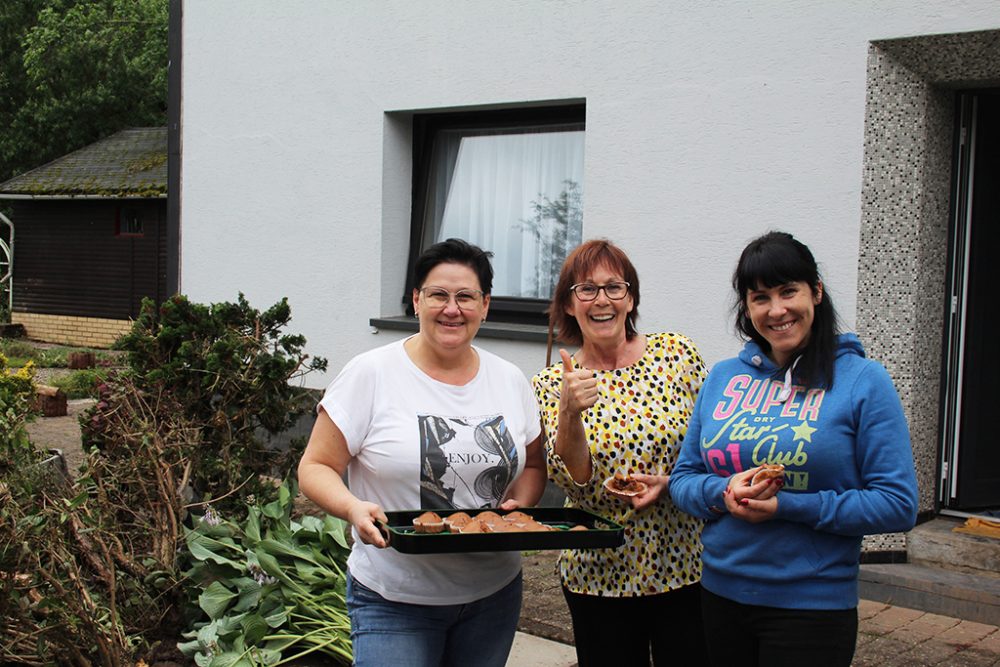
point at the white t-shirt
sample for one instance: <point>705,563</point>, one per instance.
<point>419,443</point>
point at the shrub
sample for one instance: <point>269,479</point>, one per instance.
<point>17,390</point>
<point>85,566</point>
<point>229,369</point>
<point>72,592</point>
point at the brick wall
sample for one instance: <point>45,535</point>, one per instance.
<point>70,330</point>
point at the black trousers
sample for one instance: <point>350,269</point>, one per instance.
<point>751,636</point>
<point>627,632</point>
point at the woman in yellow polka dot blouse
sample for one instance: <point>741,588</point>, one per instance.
<point>621,404</point>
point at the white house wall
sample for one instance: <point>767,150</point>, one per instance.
<point>707,124</point>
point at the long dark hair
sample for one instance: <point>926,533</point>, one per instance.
<point>777,258</point>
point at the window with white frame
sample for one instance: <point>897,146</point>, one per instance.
<point>509,181</point>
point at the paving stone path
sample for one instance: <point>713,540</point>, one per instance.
<point>888,636</point>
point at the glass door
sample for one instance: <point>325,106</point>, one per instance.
<point>970,472</point>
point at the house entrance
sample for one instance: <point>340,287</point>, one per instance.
<point>970,474</point>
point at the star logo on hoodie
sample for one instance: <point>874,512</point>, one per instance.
<point>803,431</point>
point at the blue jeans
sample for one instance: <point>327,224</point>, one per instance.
<point>476,634</point>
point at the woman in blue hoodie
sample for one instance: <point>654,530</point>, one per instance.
<point>780,560</point>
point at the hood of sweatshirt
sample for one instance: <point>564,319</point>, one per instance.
<point>752,355</point>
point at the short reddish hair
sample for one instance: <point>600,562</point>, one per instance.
<point>586,257</point>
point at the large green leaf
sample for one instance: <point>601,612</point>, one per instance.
<point>209,632</point>
<point>230,659</point>
<point>274,510</point>
<point>277,617</point>
<point>252,526</point>
<point>271,566</point>
<point>249,591</point>
<point>215,599</point>
<point>313,524</point>
<point>276,548</point>
<point>230,627</point>
<point>311,574</point>
<point>268,656</point>
<point>189,648</point>
<point>203,548</point>
<point>254,629</point>
<point>335,529</point>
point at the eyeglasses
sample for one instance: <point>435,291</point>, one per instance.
<point>438,297</point>
<point>589,291</point>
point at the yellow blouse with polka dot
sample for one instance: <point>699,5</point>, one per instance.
<point>637,425</point>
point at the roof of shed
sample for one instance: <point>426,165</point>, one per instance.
<point>130,163</point>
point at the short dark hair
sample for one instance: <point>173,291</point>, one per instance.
<point>455,251</point>
<point>777,258</point>
<point>582,260</point>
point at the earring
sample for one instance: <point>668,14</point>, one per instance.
<point>482,321</point>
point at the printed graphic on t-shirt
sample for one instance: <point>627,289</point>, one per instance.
<point>752,419</point>
<point>465,461</point>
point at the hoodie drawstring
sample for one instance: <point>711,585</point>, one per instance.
<point>786,389</point>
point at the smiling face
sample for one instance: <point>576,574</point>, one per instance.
<point>602,321</point>
<point>783,315</point>
<point>448,327</point>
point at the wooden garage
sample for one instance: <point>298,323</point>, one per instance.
<point>90,238</point>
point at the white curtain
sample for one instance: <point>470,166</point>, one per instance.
<point>516,194</point>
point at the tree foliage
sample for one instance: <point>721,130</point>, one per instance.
<point>75,71</point>
<point>557,226</point>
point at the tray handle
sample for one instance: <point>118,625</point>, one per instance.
<point>383,528</point>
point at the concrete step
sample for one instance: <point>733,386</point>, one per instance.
<point>973,597</point>
<point>935,544</point>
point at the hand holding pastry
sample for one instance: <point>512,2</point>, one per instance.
<point>625,487</point>
<point>754,501</point>
<point>656,485</point>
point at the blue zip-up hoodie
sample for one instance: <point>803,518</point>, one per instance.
<point>848,472</point>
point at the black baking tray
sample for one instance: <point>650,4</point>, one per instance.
<point>601,533</point>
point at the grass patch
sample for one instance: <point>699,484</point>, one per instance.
<point>12,347</point>
<point>82,383</point>
<point>20,352</point>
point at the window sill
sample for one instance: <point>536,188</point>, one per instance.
<point>536,333</point>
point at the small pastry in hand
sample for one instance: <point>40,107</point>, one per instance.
<point>768,471</point>
<point>624,486</point>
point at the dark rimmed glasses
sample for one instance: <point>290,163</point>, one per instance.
<point>589,291</point>
<point>438,297</point>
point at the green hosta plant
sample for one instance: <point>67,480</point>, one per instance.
<point>271,589</point>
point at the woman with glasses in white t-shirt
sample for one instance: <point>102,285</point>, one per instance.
<point>429,422</point>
